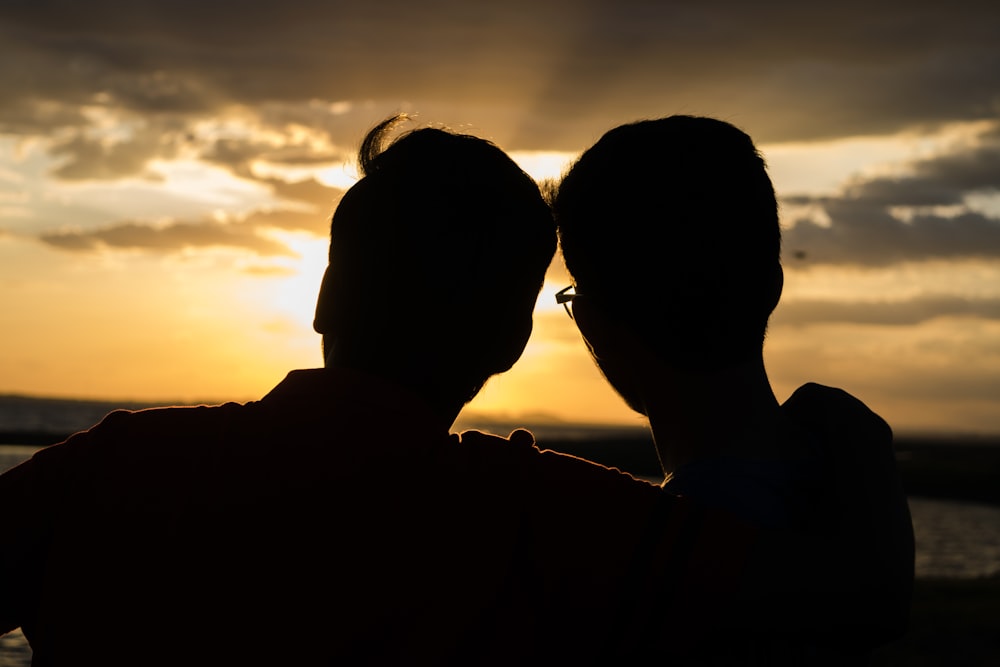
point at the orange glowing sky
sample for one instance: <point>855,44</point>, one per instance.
<point>167,172</point>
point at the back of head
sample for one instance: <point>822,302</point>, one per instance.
<point>437,256</point>
<point>672,226</point>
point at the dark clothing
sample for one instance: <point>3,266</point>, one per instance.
<point>791,495</point>
<point>334,522</point>
<point>777,493</point>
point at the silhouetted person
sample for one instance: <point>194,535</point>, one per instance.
<point>670,231</point>
<point>336,520</point>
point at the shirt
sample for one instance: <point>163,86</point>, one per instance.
<point>336,521</point>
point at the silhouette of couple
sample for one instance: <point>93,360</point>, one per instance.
<point>336,520</point>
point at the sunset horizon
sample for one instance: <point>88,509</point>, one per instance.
<point>167,176</point>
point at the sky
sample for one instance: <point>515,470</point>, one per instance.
<point>168,169</point>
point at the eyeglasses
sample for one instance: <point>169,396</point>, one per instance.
<point>565,296</point>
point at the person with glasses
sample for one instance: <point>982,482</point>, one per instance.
<point>669,229</point>
<point>337,521</point>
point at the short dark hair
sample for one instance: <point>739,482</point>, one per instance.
<point>445,241</point>
<point>672,224</point>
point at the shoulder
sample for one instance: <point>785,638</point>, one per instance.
<point>167,420</point>
<point>121,430</point>
<point>833,409</point>
<point>519,454</point>
<point>820,395</point>
<point>180,414</point>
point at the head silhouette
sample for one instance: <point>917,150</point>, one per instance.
<point>437,256</point>
<point>670,227</point>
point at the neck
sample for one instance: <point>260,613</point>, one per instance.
<point>433,393</point>
<point>731,412</point>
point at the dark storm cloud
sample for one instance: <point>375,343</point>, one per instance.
<point>30,117</point>
<point>868,224</point>
<point>895,313</point>
<point>940,181</point>
<point>554,74</point>
<point>869,235</point>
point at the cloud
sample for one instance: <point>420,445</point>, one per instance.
<point>545,75</point>
<point>287,154</point>
<point>95,158</point>
<point>167,238</point>
<point>942,374</point>
<point>921,215</point>
<point>33,117</point>
<point>281,148</point>
<point>112,143</point>
<point>314,223</point>
<point>869,235</point>
<point>320,199</point>
<point>101,142</point>
<point>308,190</point>
<point>247,233</point>
<point>941,180</point>
<point>895,313</point>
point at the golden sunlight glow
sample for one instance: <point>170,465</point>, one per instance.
<point>869,361</point>
<point>186,189</point>
<point>978,279</point>
<point>205,322</point>
<point>287,289</point>
<point>541,165</point>
<point>341,176</point>
<point>200,182</point>
<point>823,167</point>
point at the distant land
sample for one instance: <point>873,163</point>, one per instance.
<point>958,467</point>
